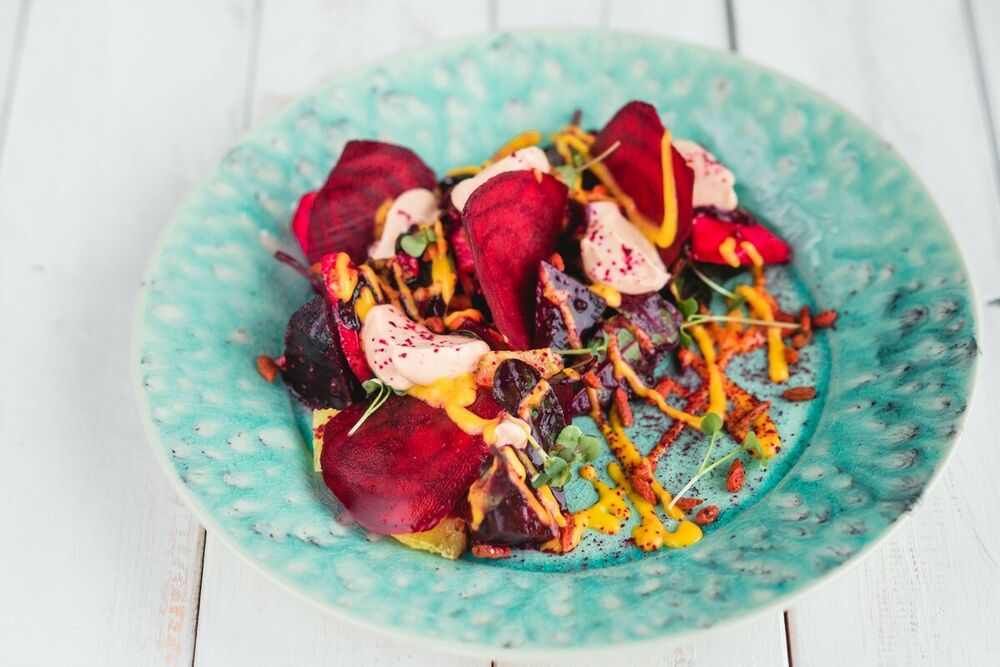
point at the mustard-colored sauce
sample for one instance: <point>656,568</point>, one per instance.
<point>776,363</point>
<point>612,296</point>
<point>667,232</point>
<point>319,419</point>
<point>454,396</point>
<point>364,303</point>
<point>716,392</point>
<point>523,140</point>
<point>727,249</point>
<point>342,277</point>
<point>469,170</point>
<point>651,534</point>
<point>469,313</point>
<point>623,370</point>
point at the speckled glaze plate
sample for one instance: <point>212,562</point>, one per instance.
<point>894,378</point>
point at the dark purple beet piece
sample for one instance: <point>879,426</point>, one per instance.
<point>503,498</point>
<point>654,315</point>
<point>367,174</point>
<point>512,222</point>
<point>585,307</point>
<point>512,382</point>
<point>315,368</point>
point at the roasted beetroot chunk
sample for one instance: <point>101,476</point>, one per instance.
<point>300,222</point>
<point>315,368</point>
<point>404,469</point>
<point>511,223</point>
<point>712,227</point>
<point>367,174</point>
<point>511,514</point>
<point>637,169</point>
<point>512,383</point>
<point>555,289</point>
<point>650,314</point>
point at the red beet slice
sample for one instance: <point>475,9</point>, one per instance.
<point>300,221</point>
<point>709,231</point>
<point>511,223</point>
<point>635,166</point>
<point>366,175</point>
<point>346,320</point>
<point>405,468</point>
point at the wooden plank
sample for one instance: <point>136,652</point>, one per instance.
<point>119,108</point>
<point>701,22</point>
<point>512,14</point>
<point>13,25</point>
<point>928,596</point>
<point>244,618</point>
<point>247,620</point>
<point>983,24</point>
<point>343,34</point>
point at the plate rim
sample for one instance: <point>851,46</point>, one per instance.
<point>479,650</point>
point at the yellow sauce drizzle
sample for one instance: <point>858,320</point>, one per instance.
<point>342,278</point>
<point>623,370</point>
<point>716,392</point>
<point>319,419</point>
<point>364,303</point>
<point>728,251</point>
<point>374,281</point>
<point>651,534</point>
<point>469,313</point>
<point>523,140</point>
<point>381,214</point>
<point>776,363</point>
<point>664,236</point>
<point>533,399</point>
<point>404,290</point>
<point>469,170</point>
<point>454,396</point>
<point>612,296</point>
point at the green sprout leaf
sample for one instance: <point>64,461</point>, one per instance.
<point>688,307</point>
<point>589,448</point>
<point>752,444</point>
<point>414,245</point>
<point>372,386</point>
<point>569,436</point>
<point>684,338</point>
<point>711,424</point>
<point>539,480</point>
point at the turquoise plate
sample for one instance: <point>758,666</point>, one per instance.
<point>894,377</point>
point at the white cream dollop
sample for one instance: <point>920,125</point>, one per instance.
<point>403,353</point>
<point>713,182</point>
<point>415,206</point>
<point>615,253</point>
<point>511,431</point>
<point>531,157</point>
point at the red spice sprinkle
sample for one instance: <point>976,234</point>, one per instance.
<point>737,476</point>
<point>623,408</point>
<point>825,319</point>
<point>267,367</point>
<point>490,551</point>
<point>687,504</point>
<point>707,515</point>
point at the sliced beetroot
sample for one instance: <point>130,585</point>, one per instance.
<point>654,315</point>
<point>555,293</point>
<point>637,169</point>
<point>345,319</point>
<point>300,221</point>
<point>404,469</point>
<point>712,227</point>
<point>367,174</point>
<point>315,368</point>
<point>511,223</point>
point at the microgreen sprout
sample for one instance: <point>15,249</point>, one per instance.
<point>572,446</point>
<point>596,347</point>
<point>733,300</point>
<point>570,174</point>
<point>689,311</point>
<point>712,428</point>
<point>380,393</point>
<point>416,243</point>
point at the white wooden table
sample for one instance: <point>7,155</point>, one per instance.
<point>110,110</point>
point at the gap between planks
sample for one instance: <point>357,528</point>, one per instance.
<point>985,101</point>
